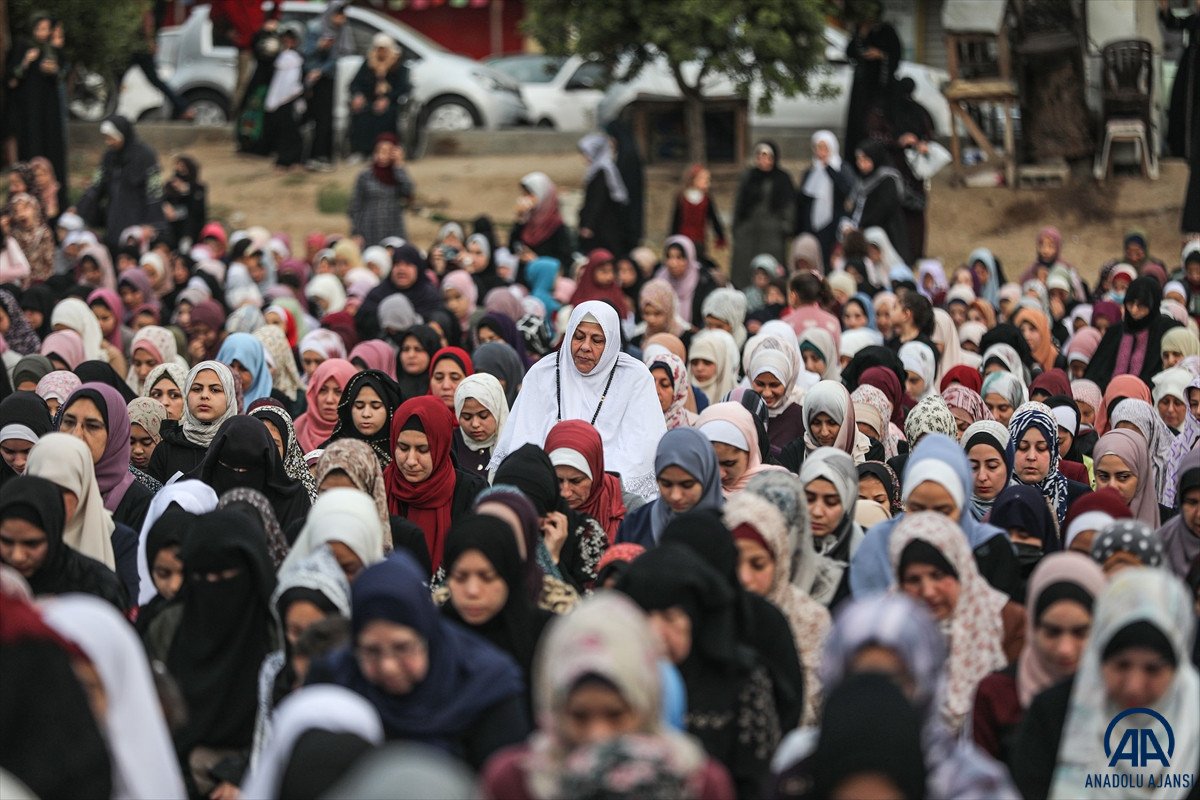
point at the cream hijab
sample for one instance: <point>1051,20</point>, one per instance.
<point>66,461</point>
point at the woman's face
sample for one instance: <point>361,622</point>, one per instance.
<point>1001,408</point>
<point>853,316</point>
<point>1032,461</point>
<point>871,488</point>
<point>664,387</point>
<point>476,588</point>
<point>764,159</point>
<point>1061,634</point>
<point>392,656</point>
<point>825,509</point>
<point>83,420</point>
<point>770,388</point>
<point>413,358</point>
<point>311,359</point>
<point>573,486</point>
<point>937,590</point>
<point>813,362</point>
<point>821,150</point>
<point>756,567</point>
<point>276,435</point>
<point>89,272</point>
<point>914,384</point>
<point>300,615</point>
<point>1112,471</point>
<point>587,346</point>
<point>825,429</point>
<point>864,163</point>
<point>733,463</point>
<point>1137,309</point>
<point>1136,677</point>
<point>1078,368</point>
<point>486,335</point>
<point>679,489</point>
<point>413,456</point>
<point>1170,358</point>
<point>883,318</point>
<point>1046,248</point>
<point>456,303</point>
<point>595,712</point>
<point>674,629</point>
<point>477,259</point>
<point>244,375</point>
<point>207,398</point>
<point>108,322</point>
<point>703,370</point>
<point>1173,411</point>
<point>958,313</point>
<point>368,412</point>
<point>447,375</point>
<point>930,496</point>
<point>327,399</point>
<point>141,446</point>
<point>23,546</point>
<point>604,274</point>
<point>655,319</point>
<point>142,362</point>
<point>988,469</point>
<point>476,421</point>
<point>675,262</point>
<point>167,393</point>
<point>131,296</point>
<point>1033,337</point>
<point>404,275</point>
<point>167,572</point>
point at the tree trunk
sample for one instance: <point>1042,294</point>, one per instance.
<point>693,119</point>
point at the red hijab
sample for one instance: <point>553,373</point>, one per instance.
<point>604,504</point>
<point>886,381</point>
<point>313,430</point>
<point>425,504</point>
<point>967,376</point>
<point>455,354</point>
<point>586,288</point>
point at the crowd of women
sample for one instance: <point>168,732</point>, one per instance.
<point>593,526</point>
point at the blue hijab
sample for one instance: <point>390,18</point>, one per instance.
<point>248,351</point>
<point>864,300</point>
<point>690,450</point>
<point>870,569</point>
<point>990,291</point>
<point>467,674</point>
<point>540,274</point>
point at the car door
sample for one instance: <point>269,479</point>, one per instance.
<point>580,95</point>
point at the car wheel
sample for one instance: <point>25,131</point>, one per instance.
<point>208,107</point>
<point>90,96</point>
<point>450,114</point>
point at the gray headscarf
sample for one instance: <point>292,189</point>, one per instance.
<point>690,450</point>
<point>396,313</point>
<point>501,361</point>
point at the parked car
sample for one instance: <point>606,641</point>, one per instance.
<point>561,92</point>
<point>805,112</point>
<point>450,92</point>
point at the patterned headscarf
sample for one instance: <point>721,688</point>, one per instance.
<point>676,414</point>
<point>967,402</point>
<point>285,375</point>
<point>1156,433</point>
<point>293,457</point>
<point>356,458</point>
<point>974,629</point>
<point>875,398</point>
<point>21,338</point>
<point>931,415</point>
<point>149,414</point>
<point>1039,417</point>
<point>277,544</point>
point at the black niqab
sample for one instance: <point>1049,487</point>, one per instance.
<point>243,455</point>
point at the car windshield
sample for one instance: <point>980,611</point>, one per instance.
<point>528,69</point>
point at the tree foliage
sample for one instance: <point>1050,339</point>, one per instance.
<point>776,44</point>
<point>101,34</point>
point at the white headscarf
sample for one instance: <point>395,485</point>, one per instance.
<point>487,391</point>
<point>327,287</point>
<point>341,515</point>
<point>778,357</point>
<point>819,186</point>
<point>73,313</point>
<point>66,461</point>
<point>202,433</point>
<point>618,393</point>
<point>917,357</point>
<point>324,707</point>
<point>945,334</point>
<point>718,347</point>
<point>144,762</point>
<point>194,497</point>
<point>728,305</point>
<point>1136,594</point>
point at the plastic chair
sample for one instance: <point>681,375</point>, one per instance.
<point>1127,91</point>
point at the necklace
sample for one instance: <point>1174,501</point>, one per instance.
<point>558,388</point>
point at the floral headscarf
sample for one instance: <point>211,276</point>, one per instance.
<point>676,414</point>
<point>1039,417</point>
<point>293,457</point>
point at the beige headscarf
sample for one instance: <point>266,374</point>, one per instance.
<point>66,461</point>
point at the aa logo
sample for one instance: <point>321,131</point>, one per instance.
<point>1141,747</point>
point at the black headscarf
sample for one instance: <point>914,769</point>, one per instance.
<point>225,631</point>
<point>23,408</point>
<point>243,442</point>
<point>1147,291</point>
<point>40,298</point>
<point>502,362</point>
<point>451,328</point>
<point>518,626</point>
<point>1009,334</point>
<point>868,726</point>
<point>389,393</point>
<point>418,384</point>
<point>529,469</point>
<point>102,372</point>
<point>500,324</point>
<point>40,503</point>
<point>873,356</point>
<point>887,476</point>
<point>760,625</point>
<point>782,191</point>
<point>170,530</point>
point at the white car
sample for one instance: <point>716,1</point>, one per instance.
<point>803,112</point>
<point>561,92</point>
<point>449,91</point>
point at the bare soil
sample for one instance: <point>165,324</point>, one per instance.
<point>1093,216</point>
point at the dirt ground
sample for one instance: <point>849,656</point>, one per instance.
<point>1093,216</point>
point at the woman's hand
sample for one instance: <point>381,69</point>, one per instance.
<point>554,533</point>
<point>225,791</point>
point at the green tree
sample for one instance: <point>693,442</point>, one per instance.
<point>100,34</point>
<point>777,44</point>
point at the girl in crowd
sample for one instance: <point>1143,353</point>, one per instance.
<point>481,410</point>
<point>689,478</point>
<point>210,401</point>
<point>368,401</point>
<point>831,491</point>
<point>447,368</point>
<point>323,395</point>
<point>731,429</point>
<point>1033,457</point>
<point>575,450</point>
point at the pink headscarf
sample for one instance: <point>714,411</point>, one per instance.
<point>685,287</point>
<point>376,354</point>
<point>112,301</point>
<point>739,416</point>
<point>67,345</point>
